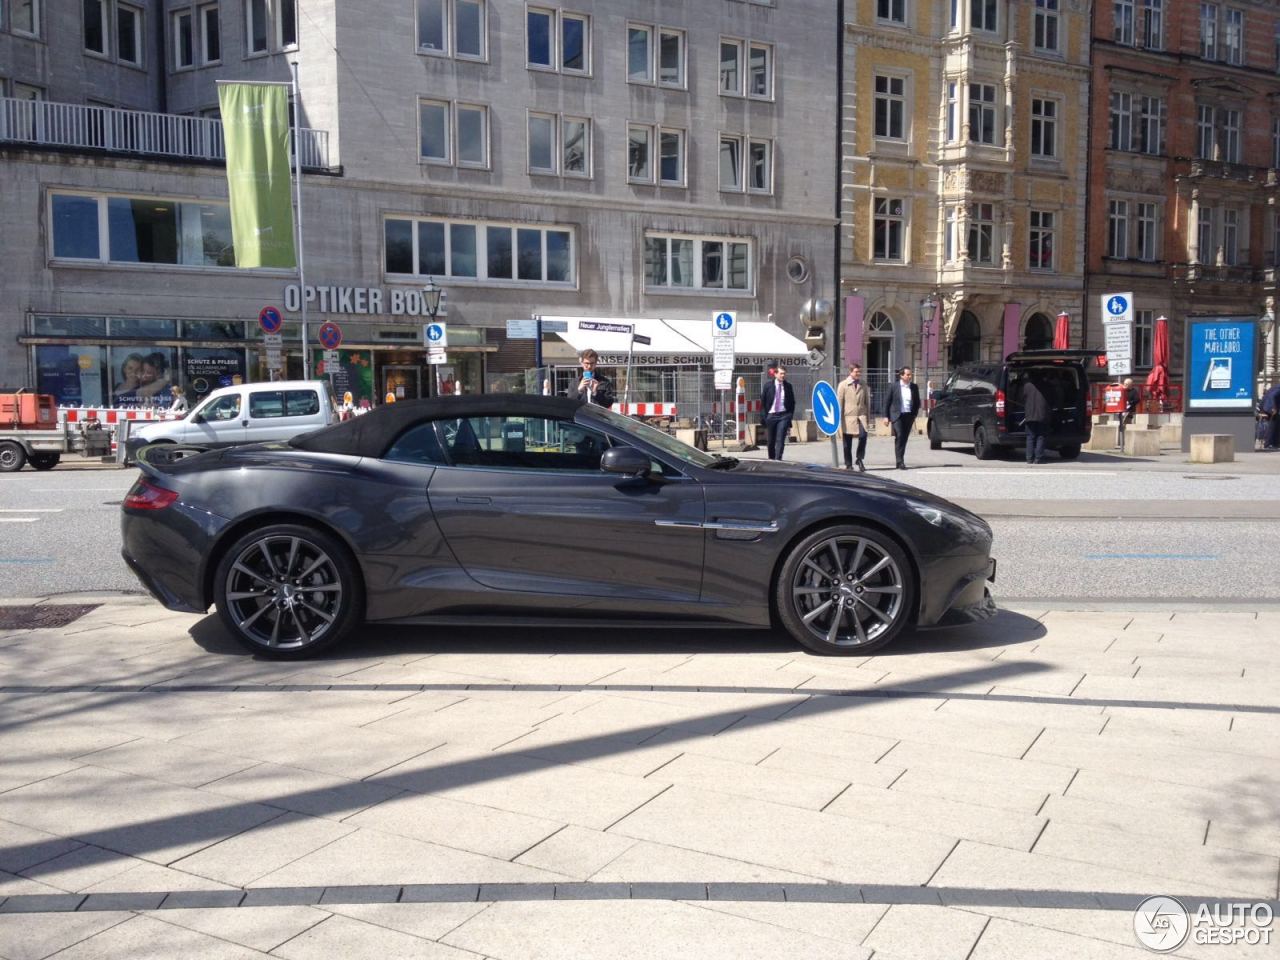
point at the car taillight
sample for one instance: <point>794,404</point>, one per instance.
<point>1000,403</point>
<point>146,496</point>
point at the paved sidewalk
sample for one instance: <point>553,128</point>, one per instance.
<point>1009,790</point>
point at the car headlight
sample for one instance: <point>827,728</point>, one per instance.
<point>972,528</point>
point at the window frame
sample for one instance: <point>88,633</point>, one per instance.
<point>1040,235</point>
<point>698,285</point>
<point>249,24</point>
<point>447,159</point>
<point>889,99</point>
<point>202,14</point>
<point>175,20</point>
<point>894,227</point>
<point>650,176</point>
<point>277,18</point>
<point>587,151</point>
<point>740,63</point>
<point>481,229</point>
<point>976,225</point>
<point>770,71</point>
<point>552,146</point>
<point>483,110</point>
<point>1232,53</point>
<point>682,142</point>
<point>553,39</point>
<point>1117,247</point>
<point>984,106</point>
<point>1152,11</point>
<point>37,22</point>
<point>139,32</point>
<point>1043,123</point>
<point>979,11</point>
<point>1123,15</point>
<point>1047,12</point>
<point>105,22</point>
<point>650,32</point>
<point>889,18</point>
<point>1209,30</point>
<point>1146,221</point>
<point>682,38</point>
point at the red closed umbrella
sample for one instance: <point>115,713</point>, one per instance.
<point>1158,378</point>
<point>1062,332</point>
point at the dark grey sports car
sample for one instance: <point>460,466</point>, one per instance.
<point>540,510</point>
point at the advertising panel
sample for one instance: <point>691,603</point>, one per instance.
<point>72,374</point>
<point>1221,364</point>
<point>353,372</point>
<point>142,376</point>
<point>205,369</point>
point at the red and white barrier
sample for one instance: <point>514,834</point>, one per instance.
<point>645,409</point>
<point>113,415</point>
<point>746,406</point>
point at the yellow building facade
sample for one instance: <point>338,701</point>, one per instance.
<point>963,179</point>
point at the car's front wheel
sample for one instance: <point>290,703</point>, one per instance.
<point>288,591</point>
<point>845,590</point>
<point>935,435</point>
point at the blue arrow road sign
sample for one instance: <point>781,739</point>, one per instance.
<point>826,408</point>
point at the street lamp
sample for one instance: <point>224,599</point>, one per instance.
<point>432,294</point>
<point>927,308</point>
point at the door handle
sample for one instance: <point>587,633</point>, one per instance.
<point>474,500</point>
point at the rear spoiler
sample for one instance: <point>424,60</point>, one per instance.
<point>159,458</point>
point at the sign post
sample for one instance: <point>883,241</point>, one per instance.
<point>724,332</point>
<point>435,337</point>
<point>1117,324</point>
<point>270,320</point>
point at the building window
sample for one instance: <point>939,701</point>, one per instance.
<point>575,45</point>
<point>887,228</point>
<point>1044,128</point>
<point>1275,239</point>
<point>953,112</point>
<point>1275,142</point>
<point>433,123</point>
<point>1121,121</point>
<point>541,37</point>
<point>452,133</point>
<point>892,11</point>
<point>1151,124</point>
<point>542,143</point>
<point>731,163</point>
<point>1204,132</point>
<point>758,157</point>
<point>1229,122</point>
<point>1118,229</point>
<point>1205,251</point>
<point>1046,26</point>
<point>639,148</point>
<point>151,230</point>
<point>1153,24</point>
<point>432,28</point>
<point>1209,31</point>
<point>255,14</point>
<point>982,15</point>
<point>705,263</point>
<point>981,242</point>
<point>730,66</point>
<point>890,105</point>
<point>286,24</point>
<point>1231,237</point>
<point>954,19</point>
<point>1143,337</point>
<point>469,27</point>
<point>25,17</point>
<point>1041,235</point>
<point>210,35</point>
<point>1122,11</point>
<point>1217,134</point>
<point>472,135</point>
<point>639,53</point>
<point>982,113</point>
<point>760,71</point>
<point>183,42</point>
<point>671,157</point>
<point>129,34</point>
<point>95,26</point>
<point>567,49</point>
<point>671,58</point>
<point>1233,36</point>
<point>480,251</point>
<point>575,151</point>
<point>1146,227</point>
<point>949,237</point>
<point>759,166</point>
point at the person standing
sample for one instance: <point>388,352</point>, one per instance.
<point>179,405</point>
<point>1035,420</point>
<point>1271,416</point>
<point>778,401</point>
<point>593,388</point>
<point>1131,400</point>
<point>855,415</point>
<point>900,410</point>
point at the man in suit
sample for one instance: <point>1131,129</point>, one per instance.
<point>855,415</point>
<point>900,408</point>
<point>778,401</point>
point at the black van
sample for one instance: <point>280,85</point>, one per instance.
<point>981,403</point>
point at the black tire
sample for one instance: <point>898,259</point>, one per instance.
<point>45,461</point>
<point>1069,452</point>
<point>982,449</point>
<point>840,555</point>
<point>12,457</point>
<point>935,441</point>
<point>283,620</point>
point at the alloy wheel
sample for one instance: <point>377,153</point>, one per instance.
<point>848,591</point>
<point>284,592</point>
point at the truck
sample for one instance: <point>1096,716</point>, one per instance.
<point>30,431</point>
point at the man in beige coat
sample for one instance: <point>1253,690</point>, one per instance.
<point>855,415</point>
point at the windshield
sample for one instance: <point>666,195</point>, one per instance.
<point>656,438</point>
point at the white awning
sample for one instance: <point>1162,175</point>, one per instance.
<point>673,341</point>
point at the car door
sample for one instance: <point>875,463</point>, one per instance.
<point>216,424</point>
<point>281,414</point>
<point>944,410</point>
<point>524,507</point>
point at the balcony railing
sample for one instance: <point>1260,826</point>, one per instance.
<point>1208,272</point>
<point>1221,170</point>
<point>136,132</point>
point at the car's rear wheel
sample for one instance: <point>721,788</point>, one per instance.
<point>288,591</point>
<point>12,457</point>
<point>935,438</point>
<point>982,448</point>
<point>45,461</point>
<point>845,590</point>
<point>1069,452</point>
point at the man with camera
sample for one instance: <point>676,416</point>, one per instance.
<point>593,388</point>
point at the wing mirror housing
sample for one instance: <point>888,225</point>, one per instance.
<point>627,461</point>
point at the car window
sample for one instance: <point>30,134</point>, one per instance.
<point>523,443</point>
<point>223,408</point>
<point>266,404</point>
<point>419,444</point>
<point>301,403</point>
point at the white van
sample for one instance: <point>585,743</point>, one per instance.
<point>248,413</point>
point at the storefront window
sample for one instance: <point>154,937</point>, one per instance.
<point>142,376</point>
<point>399,243</point>
<point>431,249</point>
<point>352,373</point>
<point>74,375</point>
<point>69,326</point>
<point>213,329</point>
<point>142,231</point>
<point>205,369</point>
<point>144,328</point>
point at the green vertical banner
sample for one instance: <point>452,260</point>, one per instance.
<point>255,125</point>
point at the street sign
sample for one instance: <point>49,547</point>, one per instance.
<point>330,335</point>
<point>522,329</point>
<point>816,357</point>
<point>1117,308</point>
<point>597,327</point>
<point>826,408</point>
<point>723,379</point>
<point>330,357</point>
<point>434,356</point>
<point>725,324</point>
<point>270,320</point>
<point>435,335</point>
<point>643,341</point>
<point>723,356</point>
<point>555,326</point>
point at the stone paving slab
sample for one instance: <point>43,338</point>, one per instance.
<point>1008,790</point>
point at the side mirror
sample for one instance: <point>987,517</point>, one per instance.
<point>625,460</point>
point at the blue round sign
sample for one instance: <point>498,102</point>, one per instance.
<point>724,321</point>
<point>434,332</point>
<point>1117,306</point>
<point>270,320</point>
<point>826,408</point>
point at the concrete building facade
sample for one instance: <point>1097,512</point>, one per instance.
<point>963,178</point>
<point>651,159</point>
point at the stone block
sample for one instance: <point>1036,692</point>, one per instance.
<point>1213,448</point>
<point>803,431</point>
<point>1171,434</point>
<point>1141,442</point>
<point>1103,437</point>
<point>695,438</point>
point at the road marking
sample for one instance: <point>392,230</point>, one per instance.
<point>26,560</point>
<point>32,510</point>
<point>1152,556</point>
<point>18,519</point>
<point>1012,472</point>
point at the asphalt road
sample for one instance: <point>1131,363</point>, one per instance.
<point>1086,531</point>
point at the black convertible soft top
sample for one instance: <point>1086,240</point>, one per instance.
<point>372,434</point>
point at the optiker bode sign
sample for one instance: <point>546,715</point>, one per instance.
<point>369,301</point>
